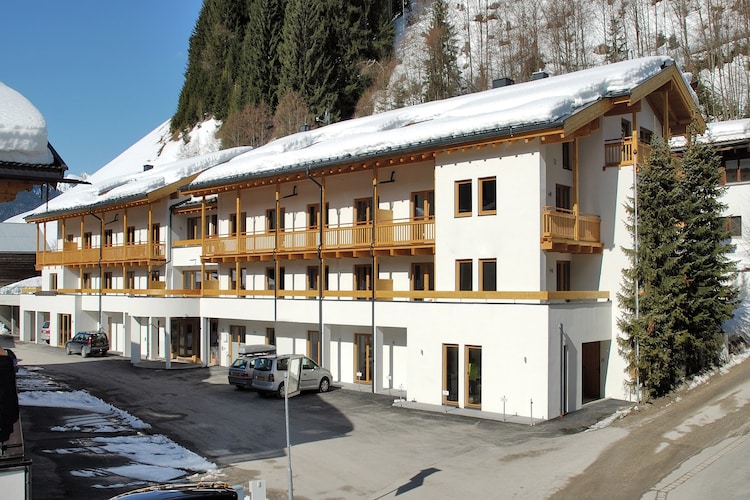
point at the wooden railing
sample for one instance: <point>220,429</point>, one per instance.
<point>620,152</point>
<point>564,231</point>
<point>122,254</point>
<point>390,234</point>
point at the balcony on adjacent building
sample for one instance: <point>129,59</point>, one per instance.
<point>567,232</point>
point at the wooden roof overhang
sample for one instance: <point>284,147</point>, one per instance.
<point>110,206</point>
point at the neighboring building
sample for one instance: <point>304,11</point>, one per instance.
<point>465,252</point>
<point>27,159</point>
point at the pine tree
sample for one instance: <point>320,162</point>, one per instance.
<point>651,327</point>
<point>710,297</point>
<point>260,56</point>
<point>442,74</point>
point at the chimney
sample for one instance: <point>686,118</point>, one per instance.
<point>502,82</point>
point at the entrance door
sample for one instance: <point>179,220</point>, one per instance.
<point>363,358</point>
<point>313,345</point>
<point>590,371</point>
<point>473,376</point>
<point>65,329</point>
<point>450,374</point>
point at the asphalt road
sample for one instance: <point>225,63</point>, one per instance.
<point>351,444</point>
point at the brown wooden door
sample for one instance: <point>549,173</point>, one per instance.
<point>590,371</point>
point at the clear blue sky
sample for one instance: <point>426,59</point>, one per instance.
<point>102,73</point>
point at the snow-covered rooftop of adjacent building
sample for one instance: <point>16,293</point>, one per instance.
<point>726,132</point>
<point>532,105</point>
<point>538,104</point>
<point>23,130</point>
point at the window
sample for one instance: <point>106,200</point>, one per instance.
<point>362,209</point>
<point>734,226</point>
<point>626,128</point>
<point>423,205</point>
<point>233,279</point>
<point>155,233</point>
<point>191,280</point>
<point>271,219</point>
<point>87,240</point>
<point>488,196</point>
<point>313,276</point>
<point>488,274</point>
<point>234,228</point>
<point>463,198</point>
<point>645,135</point>
<point>193,228</point>
<point>155,275</point>
<point>313,345</point>
<point>131,235</point>
<point>562,197</point>
<point>563,276</point>
<point>271,336</point>
<point>212,225</point>
<point>464,271</point>
<point>363,277</point>
<point>108,238</point>
<point>313,215</point>
<point>737,170</point>
<point>53,281</point>
<point>270,278</point>
<point>86,283</point>
<point>567,157</point>
<point>107,281</point>
<point>131,280</point>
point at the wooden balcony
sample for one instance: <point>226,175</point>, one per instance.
<point>620,152</point>
<point>406,237</point>
<point>125,255</point>
<point>563,231</point>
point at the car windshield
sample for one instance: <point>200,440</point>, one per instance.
<point>239,363</point>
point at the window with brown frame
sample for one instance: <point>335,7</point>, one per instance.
<point>464,272</point>
<point>363,210</point>
<point>567,157</point>
<point>313,215</point>
<point>423,205</point>
<point>271,219</point>
<point>88,239</point>
<point>487,196</point>
<point>86,281</point>
<point>734,226</point>
<point>108,280</point>
<point>563,197</point>
<point>462,195</point>
<point>488,274</point>
<point>233,226</point>
<point>131,280</point>
<point>53,281</point>
<point>108,238</point>
<point>193,228</point>
<point>363,277</point>
<point>131,235</point>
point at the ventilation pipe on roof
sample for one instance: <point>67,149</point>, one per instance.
<point>502,82</point>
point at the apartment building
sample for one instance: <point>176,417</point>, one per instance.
<point>465,252</point>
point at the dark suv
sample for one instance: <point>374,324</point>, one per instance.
<point>88,343</point>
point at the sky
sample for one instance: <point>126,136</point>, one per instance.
<point>103,74</point>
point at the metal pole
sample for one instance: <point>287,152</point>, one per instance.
<point>101,241</point>
<point>635,249</point>
<point>320,256</point>
<point>288,445</point>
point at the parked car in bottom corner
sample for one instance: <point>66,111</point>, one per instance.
<point>268,375</point>
<point>44,332</point>
<point>87,343</point>
<point>241,371</point>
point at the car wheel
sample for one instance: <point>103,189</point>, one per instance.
<point>239,387</point>
<point>325,385</point>
<point>84,352</point>
<point>67,348</point>
<point>281,390</point>
<point>104,353</point>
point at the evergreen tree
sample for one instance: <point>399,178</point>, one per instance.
<point>441,67</point>
<point>260,56</point>
<point>651,324</point>
<point>710,297</point>
<point>307,67</point>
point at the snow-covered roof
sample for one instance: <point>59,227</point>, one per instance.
<point>719,133</point>
<point>23,130</point>
<point>106,190</point>
<point>535,105</point>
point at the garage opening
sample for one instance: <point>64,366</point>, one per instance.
<point>591,371</point>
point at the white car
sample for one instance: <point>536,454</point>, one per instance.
<point>241,372</point>
<point>268,375</point>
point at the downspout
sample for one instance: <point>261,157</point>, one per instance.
<point>320,259</point>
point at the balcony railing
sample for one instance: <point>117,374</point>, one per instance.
<point>388,236</point>
<point>620,152</point>
<point>71,255</point>
<point>564,231</point>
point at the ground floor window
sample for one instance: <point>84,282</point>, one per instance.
<point>473,376</point>
<point>363,359</point>
<point>450,374</point>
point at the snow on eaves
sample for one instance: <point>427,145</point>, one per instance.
<point>726,132</point>
<point>23,130</point>
<point>136,185</point>
<point>532,105</point>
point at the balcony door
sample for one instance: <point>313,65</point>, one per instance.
<point>450,374</point>
<point>422,277</point>
<point>473,389</point>
<point>363,359</point>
